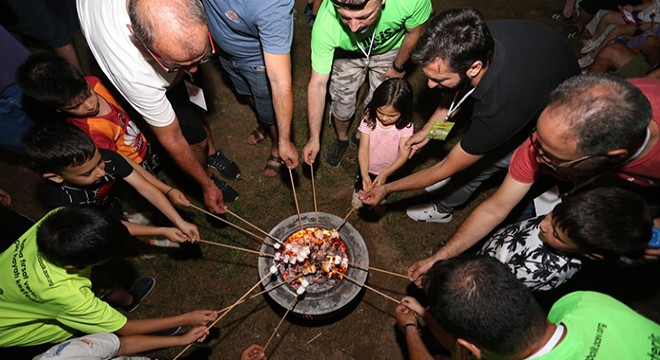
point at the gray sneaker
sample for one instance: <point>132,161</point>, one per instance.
<point>428,213</point>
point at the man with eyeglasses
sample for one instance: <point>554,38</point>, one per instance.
<point>504,70</point>
<point>350,40</point>
<point>146,48</point>
<point>594,126</point>
<point>255,38</point>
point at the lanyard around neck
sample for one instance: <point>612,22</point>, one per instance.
<point>454,106</point>
<point>371,44</point>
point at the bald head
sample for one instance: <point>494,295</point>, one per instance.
<point>175,29</point>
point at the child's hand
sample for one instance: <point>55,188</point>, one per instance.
<point>5,199</point>
<point>198,334</point>
<point>175,235</point>
<point>177,197</point>
<point>253,352</point>
<point>190,230</point>
<point>366,183</point>
<point>414,305</point>
<point>199,317</point>
<point>380,180</point>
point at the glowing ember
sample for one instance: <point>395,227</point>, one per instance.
<point>316,257</point>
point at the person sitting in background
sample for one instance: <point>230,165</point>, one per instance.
<point>477,302</point>
<point>56,83</point>
<point>545,251</point>
<point>80,174</point>
<point>636,58</point>
<point>46,288</point>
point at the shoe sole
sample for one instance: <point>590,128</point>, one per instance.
<point>439,221</point>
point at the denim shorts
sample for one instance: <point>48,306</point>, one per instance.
<point>252,81</point>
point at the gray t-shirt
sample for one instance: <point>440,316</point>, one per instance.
<point>244,29</point>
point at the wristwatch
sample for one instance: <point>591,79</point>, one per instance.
<point>407,325</point>
<point>399,69</point>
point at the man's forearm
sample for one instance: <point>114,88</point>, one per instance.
<point>416,348</point>
<point>408,44</point>
<point>182,154</point>
<point>315,106</point>
<point>279,75</point>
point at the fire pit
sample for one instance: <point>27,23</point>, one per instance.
<point>331,292</point>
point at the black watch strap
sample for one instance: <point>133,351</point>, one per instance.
<point>399,69</point>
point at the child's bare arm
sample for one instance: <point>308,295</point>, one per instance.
<point>157,199</point>
<point>134,344</point>
<point>176,196</point>
<point>148,326</point>
<point>363,159</point>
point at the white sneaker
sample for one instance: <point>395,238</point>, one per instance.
<point>585,61</point>
<point>438,185</point>
<point>428,213</point>
<point>590,45</point>
<point>137,218</point>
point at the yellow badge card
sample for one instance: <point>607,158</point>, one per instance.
<point>440,130</point>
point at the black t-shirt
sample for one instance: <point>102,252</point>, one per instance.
<point>530,61</point>
<point>56,195</point>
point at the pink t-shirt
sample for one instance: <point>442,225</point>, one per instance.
<point>644,171</point>
<point>383,145</point>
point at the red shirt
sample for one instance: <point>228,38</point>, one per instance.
<point>114,131</point>
<point>643,171</point>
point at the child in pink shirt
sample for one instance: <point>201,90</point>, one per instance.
<point>385,127</point>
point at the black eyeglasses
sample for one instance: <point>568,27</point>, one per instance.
<point>175,68</point>
<point>551,161</point>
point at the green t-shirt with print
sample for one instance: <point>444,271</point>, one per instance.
<point>599,327</point>
<point>330,33</point>
<point>41,302</point>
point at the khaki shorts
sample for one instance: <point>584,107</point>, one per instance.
<point>636,67</point>
<point>347,77</point>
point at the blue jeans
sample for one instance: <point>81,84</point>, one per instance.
<point>13,121</point>
<point>252,81</point>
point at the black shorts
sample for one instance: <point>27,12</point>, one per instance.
<point>190,120</point>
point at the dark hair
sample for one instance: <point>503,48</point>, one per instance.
<point>606,221</point>
<point>395,92</point>
<point>459,36</point>
<point>146,19</point>
<point>351,4</point>
<point>477,298</point>
<point>604,112</point>
<point>51,80</point>
<point>55,146</point>
<point>81,236</point>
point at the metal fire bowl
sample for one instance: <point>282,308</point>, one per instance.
<point>325,302</point>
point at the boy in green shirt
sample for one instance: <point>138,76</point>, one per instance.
<point>45,288</point>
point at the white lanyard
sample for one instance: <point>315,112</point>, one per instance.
<point>371,44</point>
<point>454,106</point>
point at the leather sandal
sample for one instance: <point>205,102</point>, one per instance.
<point>274,163</point>
<point>256,136</point>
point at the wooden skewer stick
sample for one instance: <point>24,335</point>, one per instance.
<point>369,287</point>
<point>254,226</point>
<point>293,303</point>
<point>290,280</point>
<point>316,210</point>
<point>295,198</point>
<point>226,222</point>
<point>240,300</point>
<point>235,248</point>
<point>377,269</point>
<point>346,218</point>
<point>314,338</point>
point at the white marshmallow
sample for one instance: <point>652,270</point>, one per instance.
<point>286,258</point>
<point>277,246</point>
<point>273,269</point>
<point>300,258</point>
<point>304,283</point>
<point>301,290</point>
<point>277,256</point>
<point>337,260</point>
<point>287,246</point>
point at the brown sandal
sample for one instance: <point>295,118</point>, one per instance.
<point>256,136</point>
<point>274,163</point>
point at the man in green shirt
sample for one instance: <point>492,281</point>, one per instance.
<point>45,288</point>
<point>350,39</point>
<point>477,303</point>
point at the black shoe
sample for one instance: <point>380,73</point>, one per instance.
<point>140,290</point>
<point>224,165</point>
<point>559,16</point>
<point>336,152</point>
<point>228,194</point>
